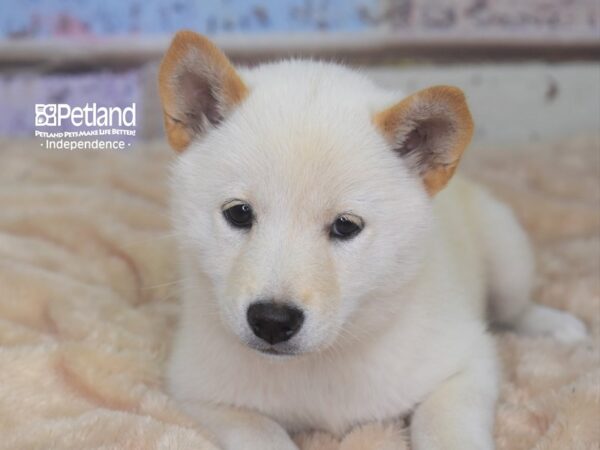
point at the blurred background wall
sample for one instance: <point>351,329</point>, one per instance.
<point>529,67</point>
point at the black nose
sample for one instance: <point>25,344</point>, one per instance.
<point>274,322</point>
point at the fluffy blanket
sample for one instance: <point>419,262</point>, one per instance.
<point>88,302</point>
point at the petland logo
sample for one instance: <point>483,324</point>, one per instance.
<point>57,114</point>
<point>91,127</point>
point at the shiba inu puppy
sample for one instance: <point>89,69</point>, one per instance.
<point>333,273</point>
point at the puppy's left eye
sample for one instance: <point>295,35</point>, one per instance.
<point>345,227</point>
<point>239,215</point>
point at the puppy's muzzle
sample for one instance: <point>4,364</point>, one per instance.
<point>274,322</point>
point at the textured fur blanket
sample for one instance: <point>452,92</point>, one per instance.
<point>88,301</point>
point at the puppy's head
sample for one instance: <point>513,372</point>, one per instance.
<point>302,192</point>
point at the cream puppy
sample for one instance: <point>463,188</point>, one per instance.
<point>332,275</point>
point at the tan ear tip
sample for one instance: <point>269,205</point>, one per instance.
<point>181,42</point>
<point>185,38</point>
<point>455,98</point>
<point>185,35</point>
<point>450,94</point>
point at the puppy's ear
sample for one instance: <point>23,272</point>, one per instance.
<point>430,130</point>
<point>198,87</point>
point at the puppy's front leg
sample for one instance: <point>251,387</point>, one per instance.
<point>459,414</point>
<point>240,429</point>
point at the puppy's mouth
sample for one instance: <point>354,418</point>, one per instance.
<point>274,350</point>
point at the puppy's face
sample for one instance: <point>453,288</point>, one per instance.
<point>301,198</point>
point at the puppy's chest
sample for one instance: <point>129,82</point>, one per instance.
<point>334,397</point>
<point>337,404</point>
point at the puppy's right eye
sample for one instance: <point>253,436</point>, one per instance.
<point>345,227</point>
<point>239,215</point>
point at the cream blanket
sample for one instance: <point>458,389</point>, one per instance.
<point>88,301</point>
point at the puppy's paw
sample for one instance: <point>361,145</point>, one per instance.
<point>259,434</point>
<point>316,440</point>
<point>246,442</point>
<point>544,321</point>
<point>372,436</point>
<point>376,436</point>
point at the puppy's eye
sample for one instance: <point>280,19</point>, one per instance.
<point>345,227</point>
<point>239,215</point>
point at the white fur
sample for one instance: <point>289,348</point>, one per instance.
<point>395,318</point>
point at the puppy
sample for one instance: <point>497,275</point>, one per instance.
<point>332,272</point>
